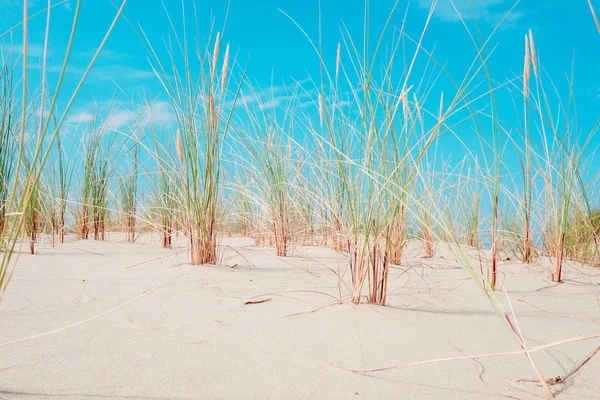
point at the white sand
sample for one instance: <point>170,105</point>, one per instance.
<point>193,338</point>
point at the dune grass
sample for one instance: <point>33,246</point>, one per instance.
<point>266,139</point>
<point>361,184</point>
<point>8,128</point>
<point>203,105</point>
<point>365,181</point>
<point>49,127</point>
<point>129,187</point>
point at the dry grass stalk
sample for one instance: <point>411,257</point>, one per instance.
<point>527,250</point>
<point>428,242</point>
<point>215,58</point>
<point>179,147</point>
<point>225,69</point>
<point>211,105</point>
<point>357,265</point>
<point>379,279</point>
<point>533,53</point>
<point>397,236</point>
<point>558,263</point>
<point>280,234</point>
<point>494,267</point>
<point>338,61</point>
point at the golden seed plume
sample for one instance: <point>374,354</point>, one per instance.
<point>526,68</point>
<point>533,53</point>
<point>216,52</point>
<point>337,62</point>
<point>224,70</point>
<point>211,105</point>
<point>179,147</point>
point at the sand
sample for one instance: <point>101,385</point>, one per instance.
<point>143,324</point>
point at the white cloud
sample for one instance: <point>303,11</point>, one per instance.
<point>79,118</point>
<point>120,116</point>
<point>116,72</point>
<point>33,50</point>
<point>488,10</point>
<point>118,119</point>
<point>270,104</point>
<point>246,100</point>
<point>159,112</point>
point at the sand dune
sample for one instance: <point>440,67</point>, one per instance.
<point>149,326</point>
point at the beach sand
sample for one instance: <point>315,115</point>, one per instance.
<point>134,321</point>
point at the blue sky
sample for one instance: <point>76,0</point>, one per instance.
<point>277,52</point>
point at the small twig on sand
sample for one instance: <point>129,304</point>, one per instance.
<point>562,379</point>
<point>258,301</point>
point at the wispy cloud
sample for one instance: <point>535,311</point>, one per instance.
<point>116,72</point>
<point>487,10</point>
<point>122,71</point>
<point>80,117</point>
<point>158,111</point>
<point>105,54</point>
<point>120,117</point>
<point>270,103</point>
<point>33,50</point>
<point>273,96</point>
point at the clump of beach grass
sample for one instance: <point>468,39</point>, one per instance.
<point>100,147</point>
<point>128,187</point>
<point>362,120</point>
<point>203,106</point>
<point>8,130</point>
<point>50,123</point>
<point>164,184</point>
<point>266,137</point>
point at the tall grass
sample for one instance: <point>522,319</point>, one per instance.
<point>561,162</point>
<point>267,141</point>
<point>470,203</point>
<point>16,208</point>
<point>62,179</point>
<point>245,207</point>
<point>128,187</point>
<point>365,178</point>
<point>371,123</point>
<point>100,148</point>
<point>33,210</point>
<point>196,81</point>
<point>8,130</point>
<point>164,186</point>
<point>530,61</point>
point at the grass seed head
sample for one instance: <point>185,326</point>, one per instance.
<point>179,147</point>
<point>338,62</point>
<point>533,53</point>
<point>224,70</point>
<point>216,52</point>
<point>211,105</point>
